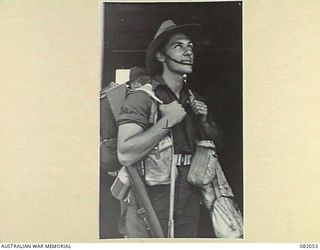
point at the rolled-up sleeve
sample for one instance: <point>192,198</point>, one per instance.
<point>136,109</point>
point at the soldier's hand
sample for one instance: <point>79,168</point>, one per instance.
<point>173,112</point>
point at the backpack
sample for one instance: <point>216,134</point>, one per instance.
<point>111,101</point>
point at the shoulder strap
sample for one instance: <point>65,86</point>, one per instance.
<point>147,88</point>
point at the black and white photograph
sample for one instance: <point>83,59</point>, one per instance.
<point>171,137</point>
<point>132,122</point>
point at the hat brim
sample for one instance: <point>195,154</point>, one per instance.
<point>190,30</point>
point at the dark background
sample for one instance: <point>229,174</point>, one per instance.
<point>128,30</point>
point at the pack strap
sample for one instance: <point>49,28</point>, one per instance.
<point>147,88</point>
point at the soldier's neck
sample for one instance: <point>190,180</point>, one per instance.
<point>174,82</point>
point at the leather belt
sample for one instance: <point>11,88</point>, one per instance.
<point>182,159</point>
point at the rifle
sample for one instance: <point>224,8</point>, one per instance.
<point>146,210</point>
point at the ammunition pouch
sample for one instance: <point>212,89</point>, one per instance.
<point>157,164</point>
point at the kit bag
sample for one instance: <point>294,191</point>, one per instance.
<point>111,101</point>
<point>218,198</point>
<point>226,218</point>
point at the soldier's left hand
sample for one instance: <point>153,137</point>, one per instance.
<point>199,108</point>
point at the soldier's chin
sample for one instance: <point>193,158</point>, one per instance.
<point>187,69</point>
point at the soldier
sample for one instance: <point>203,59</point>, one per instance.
<point>169,58</point>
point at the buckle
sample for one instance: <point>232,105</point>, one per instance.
<point>182,160</point>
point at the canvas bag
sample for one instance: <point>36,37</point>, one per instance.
<point>111,101</point>
<point>226,216</point>
<point>218,198</point>
<point>202,168</point>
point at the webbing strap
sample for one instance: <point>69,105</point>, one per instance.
<point>147,88</point>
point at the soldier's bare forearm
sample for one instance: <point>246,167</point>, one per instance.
<point>135,144</point>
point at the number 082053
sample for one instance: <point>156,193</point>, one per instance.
<point>304,245</point>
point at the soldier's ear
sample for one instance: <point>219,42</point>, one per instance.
<point>160,57</point>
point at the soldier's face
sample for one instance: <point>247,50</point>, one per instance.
<point>180,48</point>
